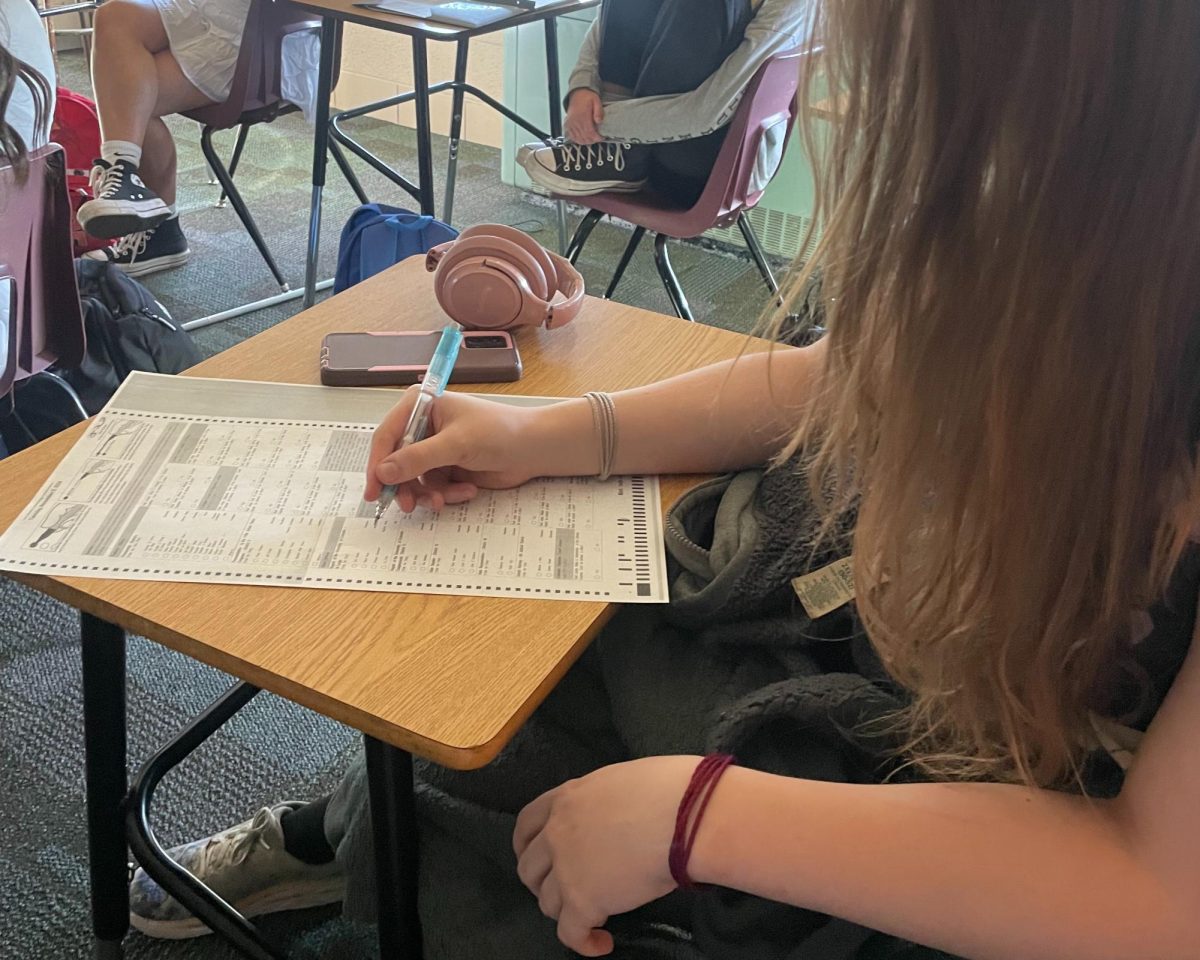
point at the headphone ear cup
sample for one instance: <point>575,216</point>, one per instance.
<point>472,244</point>
<point>522,240</point>
<point>482,293</point>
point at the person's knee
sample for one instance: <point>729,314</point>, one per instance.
<point>129,21</point>
<point>111,20</point>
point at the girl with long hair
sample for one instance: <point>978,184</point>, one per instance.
<point>1004,415</point>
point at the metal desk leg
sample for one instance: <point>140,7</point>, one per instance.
<point>329,40</point>
<point>424,144</point>
<point>555,85</point>
<point>103,650</point>
<point>394,819</point>
<point>456,116</point>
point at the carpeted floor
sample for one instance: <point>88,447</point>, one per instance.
<point>274,749</point>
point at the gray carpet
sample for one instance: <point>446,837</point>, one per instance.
<point>273,749</point>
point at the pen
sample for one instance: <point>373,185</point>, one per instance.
<point>432,386</point>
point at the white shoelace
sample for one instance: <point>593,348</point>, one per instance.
<point>587,156</point>
<point>105,181</point>
<point>133,244</point>
<point>235,847</point>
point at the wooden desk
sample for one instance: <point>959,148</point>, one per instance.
<point>448,678</point>
<point>335,12</point>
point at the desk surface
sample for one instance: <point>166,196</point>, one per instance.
<point>448,678</point>
<point>350,12</point>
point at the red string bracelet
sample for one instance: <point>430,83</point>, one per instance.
<point>691,810</point>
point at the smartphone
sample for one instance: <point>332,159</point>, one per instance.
<point>395,358</point>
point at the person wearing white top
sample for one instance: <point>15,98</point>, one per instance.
<point>152,58</point>
<point>23,44</point>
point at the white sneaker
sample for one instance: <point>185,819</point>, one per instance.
<point>573,169</point>
<point>247,867</point>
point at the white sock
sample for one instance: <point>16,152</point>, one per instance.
<point>113,150</point>
<point>174,208</point>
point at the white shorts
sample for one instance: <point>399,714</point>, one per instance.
<point>205,37</point>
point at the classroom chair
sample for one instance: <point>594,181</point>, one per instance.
<point>768,107</point>
<point>255,98</point>
<point>37,276</point>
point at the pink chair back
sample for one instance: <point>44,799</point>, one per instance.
<point>45,321</point>
<point>768,104</point>
<point>256,79</point>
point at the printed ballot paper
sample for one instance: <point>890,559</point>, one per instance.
<point>186,479</point>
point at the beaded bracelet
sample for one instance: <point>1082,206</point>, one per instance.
<point>691,810</point>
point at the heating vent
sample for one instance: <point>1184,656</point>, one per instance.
<point>781,234</point>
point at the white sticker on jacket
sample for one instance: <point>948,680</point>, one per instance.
<point>824,590</point>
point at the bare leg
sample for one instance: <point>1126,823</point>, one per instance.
<point>137,81</point>
<point>158,160</point>
<point>128,35</point>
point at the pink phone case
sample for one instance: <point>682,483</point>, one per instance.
<point>400,357</point>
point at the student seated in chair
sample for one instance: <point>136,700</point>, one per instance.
<point>656,85</point>
<point>152,58</point>
<point>991,753</point>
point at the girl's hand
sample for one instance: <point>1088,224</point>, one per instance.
<point>585,112</point>
<point>472,444</point>
<point>598,846</point>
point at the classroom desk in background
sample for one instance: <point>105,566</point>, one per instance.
<point>448,678</point>
<point>333,13</point>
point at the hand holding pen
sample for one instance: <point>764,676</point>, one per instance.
<point>432,387</point>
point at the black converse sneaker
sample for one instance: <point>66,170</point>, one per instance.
<point>147,251</point>
<point>579,170</point>
<point>123,204</point>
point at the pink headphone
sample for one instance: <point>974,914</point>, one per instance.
<point>495,277</point>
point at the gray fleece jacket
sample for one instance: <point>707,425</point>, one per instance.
<point>778,25</point>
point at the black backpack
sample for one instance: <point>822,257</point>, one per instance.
<point>126,329</point>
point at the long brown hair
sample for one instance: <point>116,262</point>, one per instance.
<point>13,148</point>
<point>1010,203</point>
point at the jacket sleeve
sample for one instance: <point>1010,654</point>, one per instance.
<point>586,74</point>
<point>778,25</point>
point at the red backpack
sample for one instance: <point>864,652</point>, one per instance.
<point>76,128</point>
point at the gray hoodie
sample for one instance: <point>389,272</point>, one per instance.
<point>778,25</point>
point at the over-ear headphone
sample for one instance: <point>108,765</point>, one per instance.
<point>495,277</point>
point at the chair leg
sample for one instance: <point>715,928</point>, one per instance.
<point>72,394</point>
<point>85,37</point>
<point>584,230</point>
<point>630,249</point>
<point>343,163</point>
<point>456,118</point>
<point>237,156</point>
<point>757,252</point>
<point>670,281</point>
<point>239,205</point>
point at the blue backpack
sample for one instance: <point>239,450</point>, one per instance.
<point>377,236</point>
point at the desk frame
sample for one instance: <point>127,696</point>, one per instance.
<point>118,815</point>
<point>185,618</point>
<point>328,125</point>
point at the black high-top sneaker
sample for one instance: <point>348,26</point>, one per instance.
<point>577,170</point>
<point>147,251</point>
<point>122,203</point>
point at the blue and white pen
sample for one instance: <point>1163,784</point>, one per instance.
<point>432,387</point>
